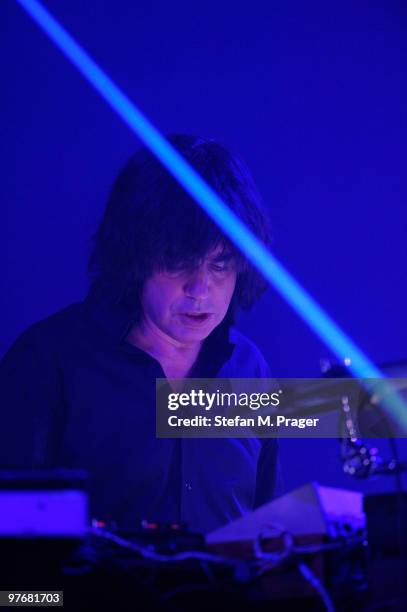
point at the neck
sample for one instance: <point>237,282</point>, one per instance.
<point>175,357</point>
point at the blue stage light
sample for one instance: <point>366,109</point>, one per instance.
<point>306,307</point>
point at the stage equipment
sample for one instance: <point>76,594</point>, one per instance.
<point>43,504</point>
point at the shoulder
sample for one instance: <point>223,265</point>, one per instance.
<point>52,330</point>
<point>66,319</point>
<point>247,359</point>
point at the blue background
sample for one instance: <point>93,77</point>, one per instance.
<point>312,95</point>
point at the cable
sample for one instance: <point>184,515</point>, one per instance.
<point>317,584</point>
<point>264,561</point>
<point>158,557</point>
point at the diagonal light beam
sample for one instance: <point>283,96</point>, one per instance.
<point>301,301</point>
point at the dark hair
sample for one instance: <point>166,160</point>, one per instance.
<point>150,222</point>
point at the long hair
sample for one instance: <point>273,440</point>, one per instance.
<point>151,223</point>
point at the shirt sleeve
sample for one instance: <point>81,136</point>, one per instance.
<point>29,392</point>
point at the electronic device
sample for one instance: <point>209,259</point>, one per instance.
<point>46,504</point>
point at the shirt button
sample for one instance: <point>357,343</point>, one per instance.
<point>188,486</point>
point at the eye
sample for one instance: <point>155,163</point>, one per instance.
<point>174,272</point>
<point>176,268</point>
<point>220,266</point>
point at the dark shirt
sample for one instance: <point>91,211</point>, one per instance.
<point>74,394</point>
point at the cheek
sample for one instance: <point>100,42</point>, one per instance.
<point>158,297</point>
<point>226,291</point>
<point>232,283</point>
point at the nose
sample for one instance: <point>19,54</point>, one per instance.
<point>197,284</point>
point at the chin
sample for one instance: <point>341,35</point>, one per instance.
<point>192,335</point>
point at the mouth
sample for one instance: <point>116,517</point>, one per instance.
<point>195,318</point>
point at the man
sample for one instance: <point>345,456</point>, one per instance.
<point>77,390</point>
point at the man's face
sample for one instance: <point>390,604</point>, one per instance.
<point>188,303</point>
